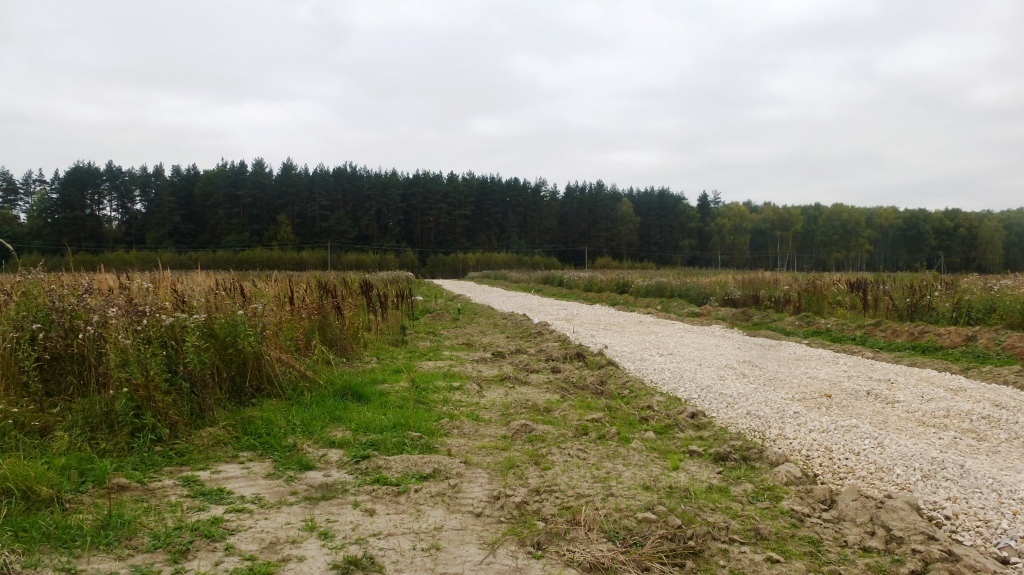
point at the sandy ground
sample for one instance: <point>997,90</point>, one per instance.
<point>311,523</point>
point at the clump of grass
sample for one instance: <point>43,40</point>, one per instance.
<point>633,555</point>
<point>147,569</point>
<point>402,482</point>
<point>630,551</point>
<point>180,538</point>
<point>351,564</point>
<point>8,562</point>
<point>257,567</point>
<point>325,534</point>
<point>197,490</point>
<point>309,524</point>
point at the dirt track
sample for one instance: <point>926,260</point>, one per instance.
<point>954,443</point>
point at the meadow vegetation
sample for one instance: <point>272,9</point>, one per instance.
<point>436,265</point>
<point>943,300</point>
<point>113,373</point>
<point>968,325</point>
<point>367,418</point>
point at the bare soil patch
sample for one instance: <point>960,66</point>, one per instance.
<point>328,520</point>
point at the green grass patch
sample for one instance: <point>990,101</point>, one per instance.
<point>707,495</point>
<point>966,355</point>
<point>68,528</point>
<point>351,564</point>
<point>147,569</point>
<point>389,409</point>
<point>257,567</point>
<point>403,481</point>
<point>212,495</point>
<point>180,537</point>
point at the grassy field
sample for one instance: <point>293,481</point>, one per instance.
<point>436,265</point>
<point>968,325</point>
<point>107,374</point>
<point>942,300</point>
<point>250,424</point>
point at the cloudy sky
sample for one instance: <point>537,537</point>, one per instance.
<point>911,103</point>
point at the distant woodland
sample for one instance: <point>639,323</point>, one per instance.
<point>236,205</point>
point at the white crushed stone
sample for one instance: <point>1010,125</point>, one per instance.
<point>954,443</point>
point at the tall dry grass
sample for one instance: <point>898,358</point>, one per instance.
<point>123,361</point>
<point>945,300</point>
<point>452,265</point>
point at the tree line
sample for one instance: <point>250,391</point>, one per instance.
<point>238,205</point>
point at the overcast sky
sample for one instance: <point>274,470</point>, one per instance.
<point>915,103</point>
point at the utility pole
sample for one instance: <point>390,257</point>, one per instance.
<point>328,255</point>
<point>586,259</point>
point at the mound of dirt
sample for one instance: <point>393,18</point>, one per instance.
<point>895,524</point>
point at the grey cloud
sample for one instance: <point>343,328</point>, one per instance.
<point>912,103</point>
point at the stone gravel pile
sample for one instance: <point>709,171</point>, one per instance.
<point>955,444</point>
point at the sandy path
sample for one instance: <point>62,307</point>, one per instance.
<point>955,443</point>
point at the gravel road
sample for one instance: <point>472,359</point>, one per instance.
<point>954,443</point>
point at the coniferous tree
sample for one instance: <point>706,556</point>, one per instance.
<point>159,208</point>
<point>236,204</point>
<point>11,197</point>
<point>627,226</point>
<point>79,206</point>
